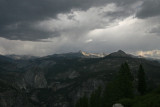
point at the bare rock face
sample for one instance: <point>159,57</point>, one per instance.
<point>33,78</point>
<point>40,81</point>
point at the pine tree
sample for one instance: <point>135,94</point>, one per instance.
<point>141,80</point>
<point>125,81</point>
<point>121,87</point>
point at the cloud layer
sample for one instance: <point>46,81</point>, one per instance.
<point>42,27</point>
<point>149,8</point>
<point>19,16</point>
<point>150,54</point>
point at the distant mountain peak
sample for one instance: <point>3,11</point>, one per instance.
<point>119,53</point>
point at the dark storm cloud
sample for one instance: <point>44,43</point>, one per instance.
<point>149,8</point>
<point>25,31</point>
<point>17,16</point>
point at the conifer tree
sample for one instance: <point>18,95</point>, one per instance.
<point>141,80</point>
<point>121,87</point>
<point>125,81</point>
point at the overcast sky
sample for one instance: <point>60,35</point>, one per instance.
<point>43,27</point>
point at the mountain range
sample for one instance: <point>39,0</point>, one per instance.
<point>58,80</point>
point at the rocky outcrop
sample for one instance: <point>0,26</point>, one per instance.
<point>40,80</point>
<point>34,78</point>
